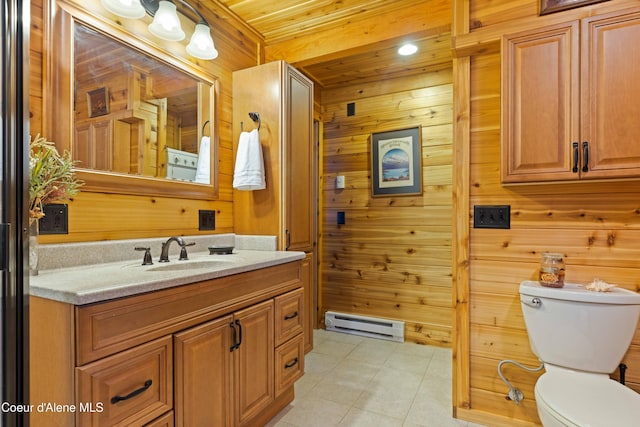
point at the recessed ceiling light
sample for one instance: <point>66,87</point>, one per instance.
<point>407,49</point>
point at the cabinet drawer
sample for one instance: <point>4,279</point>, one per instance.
<point>289,315</point>
<point>164,421</point>
<point>289,363</point>
<point>131,388</point>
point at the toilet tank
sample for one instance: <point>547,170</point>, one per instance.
<point>579,329</point>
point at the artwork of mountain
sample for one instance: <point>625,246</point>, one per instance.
<point>395,159</point>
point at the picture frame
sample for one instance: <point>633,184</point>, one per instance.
<point>396,163</point>
<point>98,102</point>
<point>552,6</point>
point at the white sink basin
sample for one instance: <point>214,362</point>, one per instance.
<point>189,265</point>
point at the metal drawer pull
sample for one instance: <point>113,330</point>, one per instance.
<point>234,337</point>
<point>535,302</point>
<point>134,393</point>
<point>576,156</point>
<point>585,156</point>
<point>239,333</point>
<point>291,364</point>
<point>291,316</point>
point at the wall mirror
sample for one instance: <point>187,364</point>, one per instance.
<point>136,119</point>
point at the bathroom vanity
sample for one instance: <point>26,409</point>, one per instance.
<point>210,341</point>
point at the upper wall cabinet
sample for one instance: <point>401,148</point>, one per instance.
<point>570,104</point>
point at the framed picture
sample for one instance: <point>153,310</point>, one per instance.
<point>551,6</point>
<point>396,163</point>
<point>98,102</point>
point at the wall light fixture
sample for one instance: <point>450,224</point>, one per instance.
<point>166,24</point>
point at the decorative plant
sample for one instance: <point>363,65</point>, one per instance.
<point>52,178</point>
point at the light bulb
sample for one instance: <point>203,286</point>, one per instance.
<point>407,49</point>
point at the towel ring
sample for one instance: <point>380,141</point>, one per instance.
<point>204,126</point>
<point>256,118</point>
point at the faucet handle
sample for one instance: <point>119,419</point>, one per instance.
<point>147,255</point>
<point>183,251</point>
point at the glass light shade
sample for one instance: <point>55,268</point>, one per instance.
<point>131,9</point>
<point>166,24</point>
<point>201,44</point>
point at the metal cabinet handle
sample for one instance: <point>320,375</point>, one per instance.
<point>585,156</point>
<point>233,337</point>
<point>236,337</point>
<point>288,239</point>
<point>134,393</point>
<point>291,364</point>
<point>291,316</point>
<point>576,156</point>
<point>535,302</point>
<point>239,333</point>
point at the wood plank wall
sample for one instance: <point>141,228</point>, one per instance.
<point>392,257</point>
<point>596,225</point>
<point>99,216</point>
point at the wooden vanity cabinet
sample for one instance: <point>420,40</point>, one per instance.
<point>209,353</point>
<point>569,109</point>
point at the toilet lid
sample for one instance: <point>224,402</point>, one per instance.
<point>589,400</point>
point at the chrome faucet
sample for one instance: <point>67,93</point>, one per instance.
<point>164,255</point>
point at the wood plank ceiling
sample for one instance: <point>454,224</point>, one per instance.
<point>341,42</point>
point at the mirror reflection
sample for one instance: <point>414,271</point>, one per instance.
<point>134,114</point>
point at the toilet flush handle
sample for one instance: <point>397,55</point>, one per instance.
<point>535,302</point>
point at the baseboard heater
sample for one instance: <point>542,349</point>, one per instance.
<point>392,330</point>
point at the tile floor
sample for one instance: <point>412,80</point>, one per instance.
<point>356,381</point>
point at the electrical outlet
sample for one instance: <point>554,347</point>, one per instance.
<point>55,219</point>
<point>492,216</point>
<point>351,109</point>
<point>206,220</point>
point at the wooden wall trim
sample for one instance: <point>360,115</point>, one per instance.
<point>460,250</point>
<point>460,23</point>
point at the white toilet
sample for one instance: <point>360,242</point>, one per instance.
<point>581,336</point>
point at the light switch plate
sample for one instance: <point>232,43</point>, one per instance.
<point>492,216</point>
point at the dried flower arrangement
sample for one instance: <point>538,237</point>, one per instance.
<point>51,175</point>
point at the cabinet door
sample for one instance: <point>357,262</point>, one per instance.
<point>298,167</point>
<point>610,94</point>
<point>540,91</point>
<point>253,361</point>
<point>203,392</point>
<point>102,145</point>
<point>93,144</point>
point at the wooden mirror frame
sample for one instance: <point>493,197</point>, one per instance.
<point>59,96</point>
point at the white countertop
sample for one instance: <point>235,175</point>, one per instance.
<point>100,282</point>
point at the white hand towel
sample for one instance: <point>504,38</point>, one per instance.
<point>203,171</point>
<point>249,169</point>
